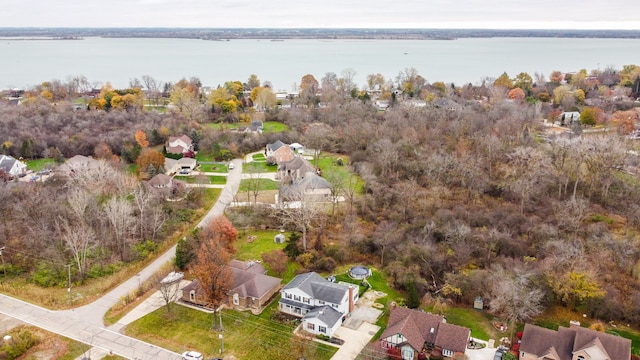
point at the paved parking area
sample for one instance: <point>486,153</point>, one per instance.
<point>354,340</point>
<point>481,354</point>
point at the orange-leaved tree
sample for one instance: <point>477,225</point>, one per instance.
<point>141,138</point>
<point>214,276</point>
<point>221,230</point>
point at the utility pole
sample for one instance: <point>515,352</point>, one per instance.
<point>221,336</point>
<point>70,294</point>
<point>3,266</point>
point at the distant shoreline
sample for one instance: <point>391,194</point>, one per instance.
<point>225,34</point>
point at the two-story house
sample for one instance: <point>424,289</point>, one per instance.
<point>179,144</point>
<point>278,152</point>
<point>321,304</point>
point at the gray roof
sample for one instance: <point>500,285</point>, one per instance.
<point>540,341</point>
<point>276,145</point>
<point>6,163</point>
<point>326,314</point>
<point>318,287</point>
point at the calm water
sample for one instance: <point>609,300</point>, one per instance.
<point>283,63</point>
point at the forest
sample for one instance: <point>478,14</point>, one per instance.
<point>467,191</point>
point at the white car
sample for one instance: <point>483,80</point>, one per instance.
<point>191,355</point>
<point>231,166</point>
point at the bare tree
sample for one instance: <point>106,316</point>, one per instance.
<point>170,288</point>
<point>513,296</point>
<point>118,214</point>
<point>300,211</point>
<point>79,239</point>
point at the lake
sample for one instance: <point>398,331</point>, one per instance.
<point>24,63</point>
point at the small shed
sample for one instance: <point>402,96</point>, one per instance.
<point>279,239</point>
<point>478,303</point>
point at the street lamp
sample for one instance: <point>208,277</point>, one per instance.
<point>221,337</point>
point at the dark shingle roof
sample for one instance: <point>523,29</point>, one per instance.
<point>452,337</point>
<point>276,145</point>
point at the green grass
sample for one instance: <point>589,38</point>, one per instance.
<point>264,184</point>
<point>202,156</point>
<point>220,168</point>
<point>40,164</point>
<point>478,322</point>
<point>258,167</point>
<point>274,127</point>
<point>245,336</point>
<point>258,157</point>
<point>253,249</point>
<point>198,179</point>
<point>76,349</point>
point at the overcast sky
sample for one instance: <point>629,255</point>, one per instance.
<point>499,14</point>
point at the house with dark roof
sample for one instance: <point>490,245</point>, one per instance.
<point>12,166</point>
<point>255,127</point>
<point>414,331</point>
<point>179,144</point>
<point>321,304</point>
<point>252,288</point>
<point>278,152</point>
<point>572,343</point>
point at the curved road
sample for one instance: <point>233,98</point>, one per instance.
<point>85,323</point>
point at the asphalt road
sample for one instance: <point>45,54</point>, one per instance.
<point>85,323</point>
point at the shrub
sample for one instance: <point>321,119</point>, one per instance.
<point>47,275</point>
<point>21,341</point>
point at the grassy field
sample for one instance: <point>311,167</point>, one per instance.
<point>246,336</point>
<point>40,164</point>
<point>258,167</point>
<point>258,157</point>
<point>267,126</point>
<point>252,244</point>
<point>264,184</point>
<point>220,168</point>
<point>200,179</point>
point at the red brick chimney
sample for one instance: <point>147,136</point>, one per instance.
<point>350,299</point>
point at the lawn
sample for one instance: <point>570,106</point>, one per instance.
<point>267,126</point>
<point>40,164</point>
<point>264,184</point>
<point>219,168</point>
<point>252,244</point>
<point>258,167</point>
<point>200,179</point>
<point>258,157</point>
<point>246,336</point>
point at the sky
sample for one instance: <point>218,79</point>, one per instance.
<point>427,14</point>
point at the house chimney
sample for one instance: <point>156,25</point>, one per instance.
<point>350,299</point>
<point>573,324</point>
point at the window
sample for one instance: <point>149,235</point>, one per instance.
<point>322,329</point>
<point>446,352</point>
<point>311,326</point>
<point>192,296</point>
<point>236,299</point>
<point>408,354</point>
<point>287,296</point>
<point>306,300</point>
<point>296,298</point>
<point>580,357</point>
<point>320,302</point>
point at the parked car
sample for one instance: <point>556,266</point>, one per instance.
<point>191,355</point>
<point>185,171</point>
<point>231,166</point>
<point>499,353</point>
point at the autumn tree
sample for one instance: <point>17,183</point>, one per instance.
<point>556,77</point>
<point>141,138</point>
<point>503,81</point>
<point>214,276</point>
<point>524,82</point>
<point>308,88</point>
<point>263,98</point>
<point>516,94</point>
<point>588,117</point>
<point>221,231</point>
<point>276,260</point>
<point>150,163</point>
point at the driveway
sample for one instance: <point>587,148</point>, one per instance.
<point>354,340</point>
<point>481,354</point>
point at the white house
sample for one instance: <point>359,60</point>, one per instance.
<point>317,301</point>
<point>179,144</point>
<point>173,166</point>
<point>12,166</point>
